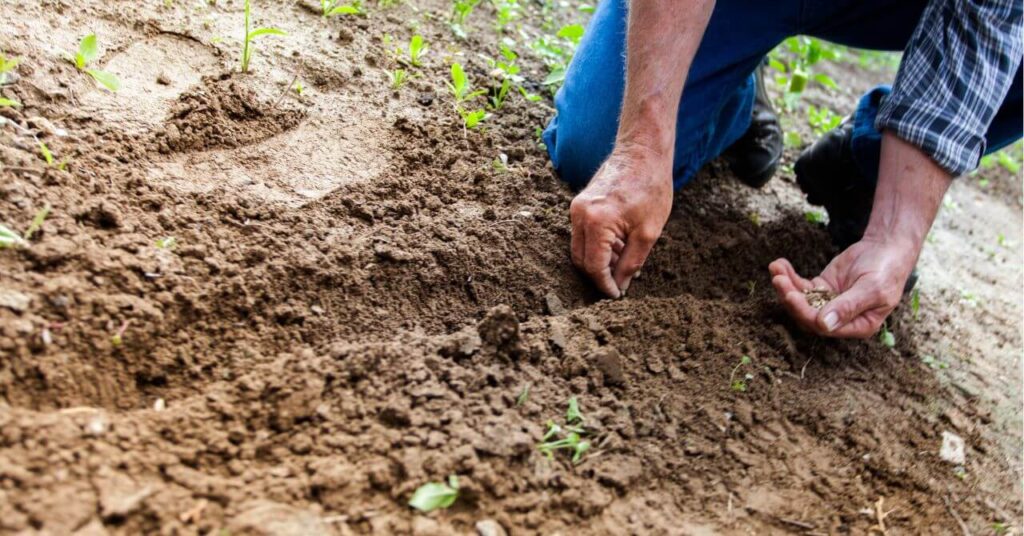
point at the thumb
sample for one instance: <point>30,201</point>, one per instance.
<point>846,307</point>
<point>638,246</point>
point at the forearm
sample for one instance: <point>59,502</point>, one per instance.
<point>908,195</point>
<point>663,36</point>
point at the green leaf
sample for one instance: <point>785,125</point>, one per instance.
<point>458,81</point>
<point>556,76</point>
<point>47,155</point>
<point>9,102</point>
<point>572,414</point>
<point>343,10</point>
<point>434,495</point>
<point>915,302</point>
<point>826,81</point>
<point>473,118</point>
<point>524,395</point>
<point>37,221</point>
<point>777,65</point>
<point>887,338</point>
<point>798,82</point>
<point>9,238</point>
<point>87,51</point>
<point>108,80</point>
<point>572,32</point>
<point>814,216</point>
<point>265,31</point>
<point>745,360</point>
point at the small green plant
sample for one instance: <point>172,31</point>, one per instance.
<point>915,302</point>
<point>463,92</point>
<point>50,160</point>
<point>9,103</point>
<point>330,8</point>
<point>434,495</point>
<point>814,216</point>
<point>558,52</point>
<point>10,239</point>
<point>37,222</point>
<point>7,66</point>
<point>886,337</point>
<point>398,78</point>
<point>934,363</point>
<point>298,88</point>
<point>168,242</point>
<point>117,339</point>
<point>568,437</point>
<point>416,50</point>
<point>822,119</point>
<point>740,384</point>
<point>88,50</point>
<point>497,100</point>
<point>794,60</point>
<point>524,395</point>
<point>460,12</point>
<point>251,35</point>
<point>1000,528</point>
<point>505,12</point>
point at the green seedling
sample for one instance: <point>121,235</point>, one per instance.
<point>460,87</point>
<point>915,302</point>
<point>472,118</point>
<point>568,437</point>
<point>50,160</point>
<point>168,242</point>
<point>37,222</point>
<point>118,338</point>
<point>886,337</point>
<point>740,384</point>
<point>572,413</point>
<point>398,78</point>
<point>793,140</point>
<point>524,395</point>
<point>330,8</point>
<point>416,51</point>
<point>505,11</point>
<point>298,88</point>
<point>251,35</point>
<point>434,495</point>
<point>10,239</point>
<point>1000,528</point>
<point>88,50</point>
<point>934,363</point>
<point>822,120</point>
<point>557,53</point>
<point>794,60</point>
<point>814,216</point>
<point>497,100</point>
<point>9,103</point>
<point>7,66</point>
<point>460,12</point>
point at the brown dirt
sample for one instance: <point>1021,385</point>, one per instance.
<point>358,297</point>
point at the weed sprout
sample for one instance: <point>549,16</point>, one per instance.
<point>434,495</point>
<point>251,35</point>
<point>463,92</point>
<point>330,8</point>
<point>460,12</point>
<point>740,384</point>
<point>88,50</point>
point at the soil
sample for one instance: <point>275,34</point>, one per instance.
<point>358,299</point>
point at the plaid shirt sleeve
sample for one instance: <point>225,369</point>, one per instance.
<point>956,71</point>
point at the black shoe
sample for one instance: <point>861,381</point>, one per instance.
<point>827,173</point>
<point>755,156</point>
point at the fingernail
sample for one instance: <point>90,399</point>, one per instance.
<point>831,321</point>
<point>625,286</point>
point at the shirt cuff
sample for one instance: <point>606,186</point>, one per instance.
<point>936,131</point>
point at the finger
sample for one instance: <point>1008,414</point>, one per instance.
<point>863,296</point>
<point>617,246</point>
<point>615,260</point>
<point>783,267</point>
<point>577,244</point>
<point>864,326</point>
<point>783,285</point>
<point>638,247</point>
<point>597,262</point>
<point>801,311</point>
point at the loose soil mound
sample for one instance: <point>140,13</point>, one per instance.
<point>360,301</point>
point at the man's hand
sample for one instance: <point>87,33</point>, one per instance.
<point>619,216</point>
<point>868,278</point>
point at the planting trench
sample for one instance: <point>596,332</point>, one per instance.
<point>358,298</point>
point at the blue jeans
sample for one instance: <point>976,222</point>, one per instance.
<point>718,97</point>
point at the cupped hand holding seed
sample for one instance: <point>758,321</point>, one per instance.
<point>619,216</point>
<point>867,281</point>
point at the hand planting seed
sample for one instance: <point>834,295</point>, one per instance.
<point>87,52</point>
<point>252,35</point>
<point>740,384</point>
<point>434,495</point>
